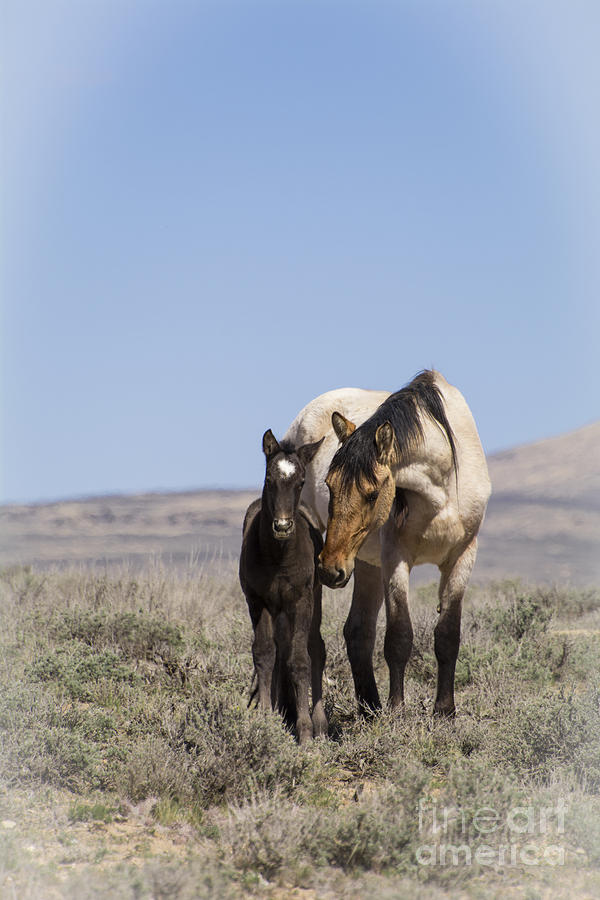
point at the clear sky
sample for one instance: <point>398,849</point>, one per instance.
<point>214,211</point>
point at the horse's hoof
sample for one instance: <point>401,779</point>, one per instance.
<point>445,712</point>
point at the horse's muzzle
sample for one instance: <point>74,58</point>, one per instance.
<point>332,577</point>
<point>283,528</point>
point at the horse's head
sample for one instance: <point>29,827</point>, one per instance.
<point>361,496</point>
<point>284,478</point>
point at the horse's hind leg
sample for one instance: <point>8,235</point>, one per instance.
<point>316,650</point>
<point>359,632</point>
<point>453,583</point>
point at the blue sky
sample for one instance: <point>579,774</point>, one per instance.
<point>215,211</point>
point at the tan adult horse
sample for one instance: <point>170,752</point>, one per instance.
<point>408,485</point>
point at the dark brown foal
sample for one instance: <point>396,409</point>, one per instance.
<point>278,575</point>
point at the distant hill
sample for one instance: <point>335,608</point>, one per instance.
<point>543,521</point>
<point>196,526</point>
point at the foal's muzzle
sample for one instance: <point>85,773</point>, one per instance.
<point>283,528</point>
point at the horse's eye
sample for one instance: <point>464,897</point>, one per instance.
<point>372,497</point>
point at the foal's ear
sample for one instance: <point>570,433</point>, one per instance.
<point>270,445</point>
<point>307,452</point>
<point>384,442</point>
<point>342,426</point>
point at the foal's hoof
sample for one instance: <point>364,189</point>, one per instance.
<point>444,711</point>
<point>304,730</point>
<point>395,705</point>
<point>320,724</point>
<point>369,708</point>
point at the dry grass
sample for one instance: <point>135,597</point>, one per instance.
<point>130,765</point>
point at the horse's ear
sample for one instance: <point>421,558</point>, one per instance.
<point>307,452</point>
<point>342,426</point>
<point>270,445</point>
<point>384,442</point>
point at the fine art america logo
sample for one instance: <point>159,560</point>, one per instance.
<point>525,835</point>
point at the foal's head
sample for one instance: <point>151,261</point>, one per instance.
<point>286,468</point>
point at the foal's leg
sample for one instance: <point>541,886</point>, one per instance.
<point>291,634</point>
<point>454,580</point>
<point>284,694</point>
<point>316,650</point>
<point>359,632</point>
<point>300,665</point>
<point>397,646</point>
<point>263,651</point>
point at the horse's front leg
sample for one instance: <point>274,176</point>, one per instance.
<point>398,632</point>
<point>359,633</point>
<point>316,650</point>
<point>263,651</point>
<point>454,580</point>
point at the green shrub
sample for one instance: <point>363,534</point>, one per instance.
<point>573,602</point>
<point>274,836</point>
<point>522,614</point>
<point>137,634</point>
<point>553,729</point>
<point>86,812</point>
<point>79,669</point>
<point>236,751</point>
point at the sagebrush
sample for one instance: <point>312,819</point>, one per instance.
<point>132,693</point>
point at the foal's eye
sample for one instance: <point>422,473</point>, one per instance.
<point>372,497</point>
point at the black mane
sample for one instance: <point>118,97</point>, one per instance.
<point>357,456</point>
